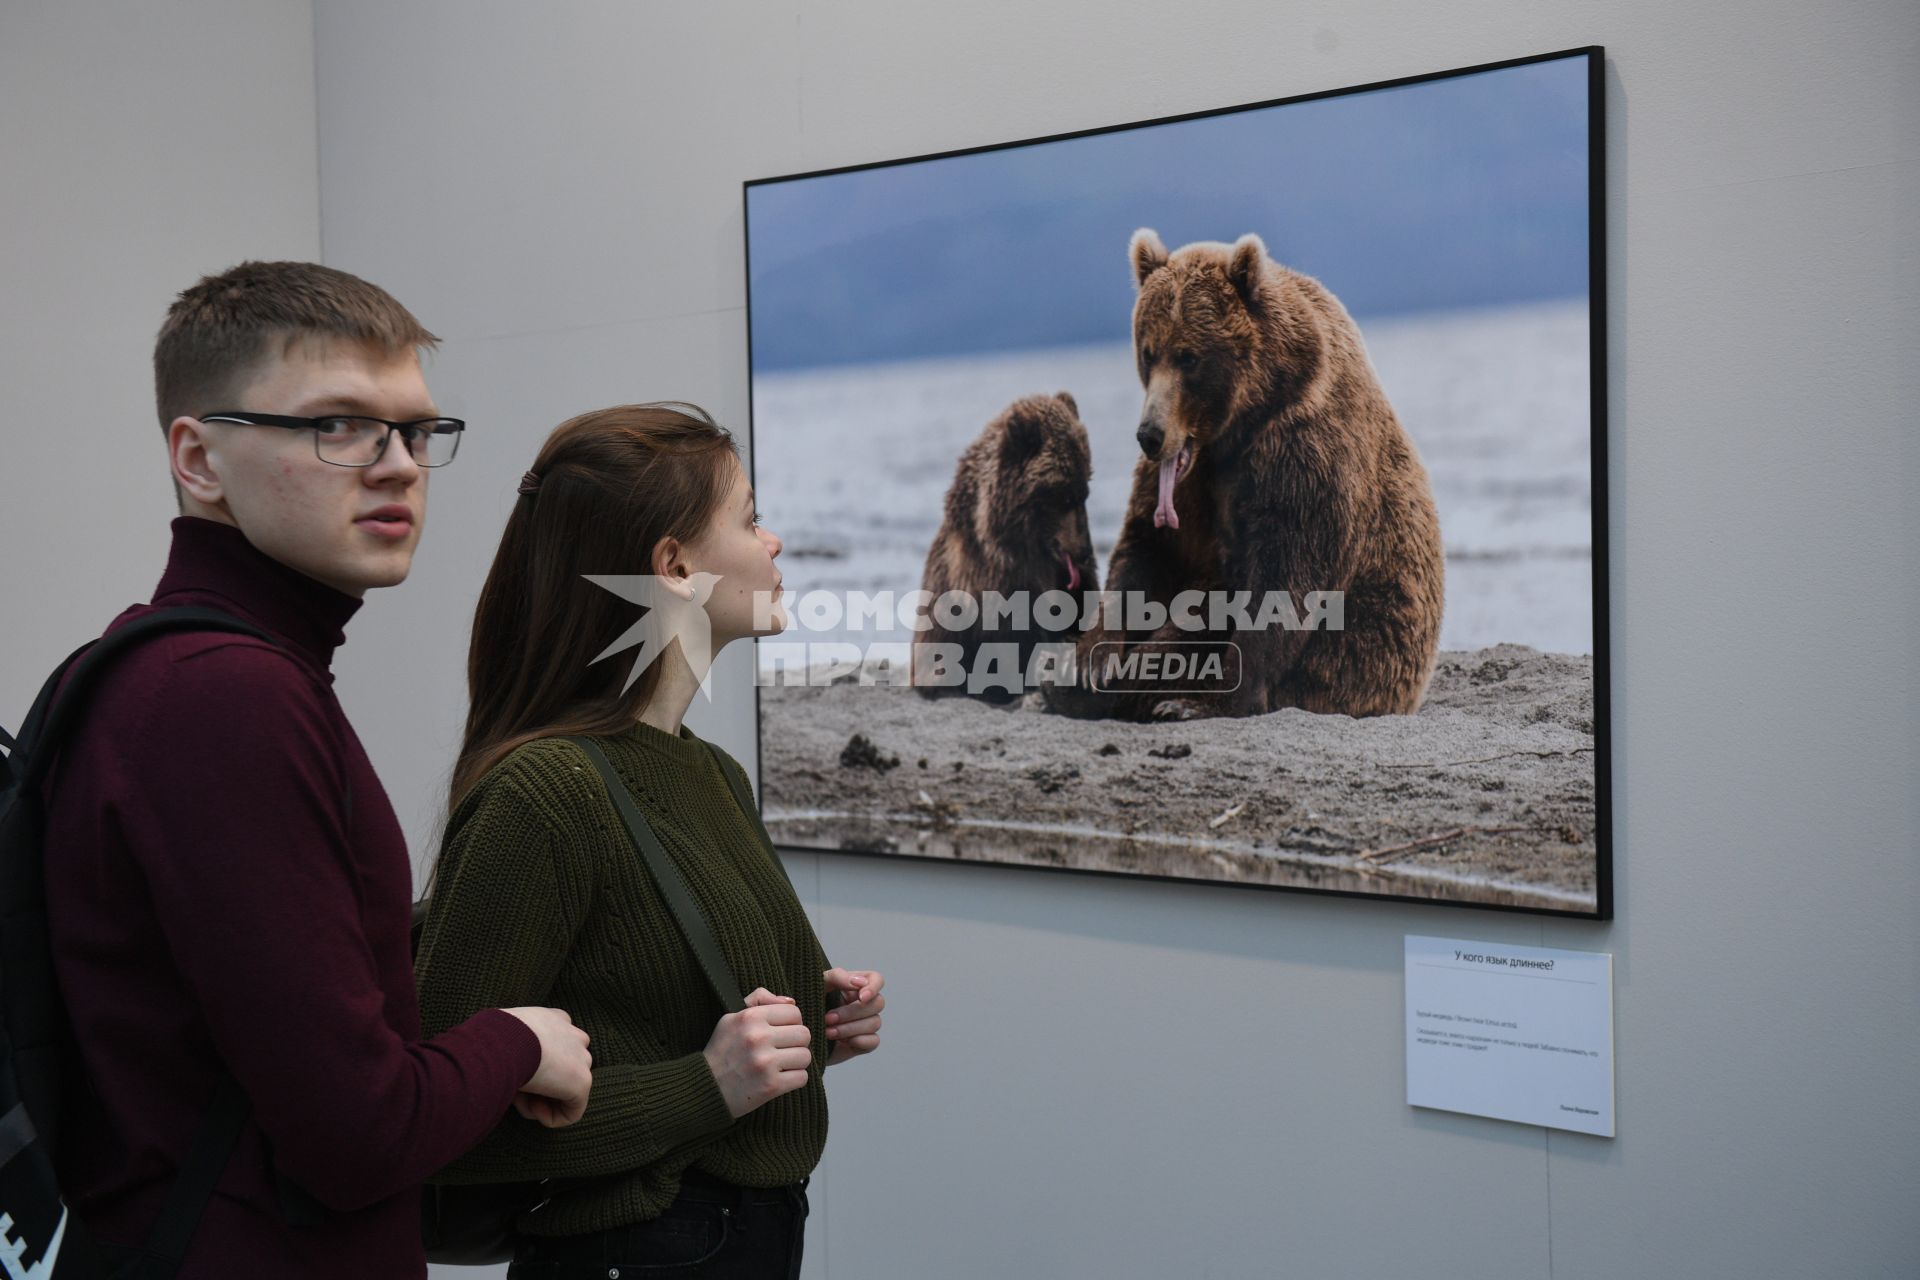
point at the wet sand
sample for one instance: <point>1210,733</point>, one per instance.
<point>1486,795</point>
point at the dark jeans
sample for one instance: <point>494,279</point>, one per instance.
<point>713,1230</point>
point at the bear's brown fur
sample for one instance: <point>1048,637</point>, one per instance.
<point>1016,521</point>
<point>1271,461</point>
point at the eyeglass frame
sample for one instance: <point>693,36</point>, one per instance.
<point>407,430</point>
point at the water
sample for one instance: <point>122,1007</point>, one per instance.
<point>852,463</point>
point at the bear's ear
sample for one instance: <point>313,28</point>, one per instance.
<point>1066,398</point>
<point>1023,441</point>
<point>1148,254</point>
<point>1243,269</point>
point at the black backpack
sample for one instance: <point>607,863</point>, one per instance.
<point>39,1238</point>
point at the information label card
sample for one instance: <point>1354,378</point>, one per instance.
<point>1515,1033</point>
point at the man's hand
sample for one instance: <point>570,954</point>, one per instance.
<point>854,1027</point>
<point>556,1095</point>
<point>759,1053</point>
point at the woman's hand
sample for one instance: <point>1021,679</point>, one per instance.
<point>854,1027</point>
<point>760,1053</point>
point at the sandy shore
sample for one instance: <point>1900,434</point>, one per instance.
<point>1486,795</point>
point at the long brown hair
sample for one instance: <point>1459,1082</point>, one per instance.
<point>607,486</point>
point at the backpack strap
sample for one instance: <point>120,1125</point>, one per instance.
<point>673,887</point>
<point>63,698</point>
<point>737,783</point>
<point>16,1132</point>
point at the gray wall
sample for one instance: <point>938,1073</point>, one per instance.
<point>1086,1078</point>
<point>141,147</point>
<point>1091,1078</point>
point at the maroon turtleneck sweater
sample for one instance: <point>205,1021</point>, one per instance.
<point>229,893</point>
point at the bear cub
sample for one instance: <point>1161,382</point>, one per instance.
<point>1015,522</point>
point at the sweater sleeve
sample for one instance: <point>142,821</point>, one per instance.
<point>502,920</point>
<point>256,895</point>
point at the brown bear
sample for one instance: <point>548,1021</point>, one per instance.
<point>1271,462</point>
<point>1016,525</point>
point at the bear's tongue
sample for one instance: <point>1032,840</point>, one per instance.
<point>1164,516</point>
<point>1073,572</point>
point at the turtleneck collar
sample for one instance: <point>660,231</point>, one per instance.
<point>214,563</point>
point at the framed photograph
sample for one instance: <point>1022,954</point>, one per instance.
<point>1216,498</point>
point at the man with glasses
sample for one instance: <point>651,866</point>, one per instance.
<point>227,885</point>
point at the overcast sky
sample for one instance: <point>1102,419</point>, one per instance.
<point>1468,191</point>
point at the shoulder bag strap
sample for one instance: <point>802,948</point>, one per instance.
<point>686,912</point>
<point>737,783</point>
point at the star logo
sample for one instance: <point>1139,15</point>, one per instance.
<point>669,616</point>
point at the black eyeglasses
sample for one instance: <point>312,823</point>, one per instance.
<point>349,441</point>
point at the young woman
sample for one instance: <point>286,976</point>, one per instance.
<point>702,1128</point>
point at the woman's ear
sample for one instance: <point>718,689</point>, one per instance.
<point>670,565</point>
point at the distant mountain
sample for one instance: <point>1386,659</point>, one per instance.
<point>1449,194</point>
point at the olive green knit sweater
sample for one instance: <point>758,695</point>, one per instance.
<point>541,899</point>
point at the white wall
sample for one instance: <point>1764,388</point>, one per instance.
<point>1086,1077</point>
<point>141,147</point>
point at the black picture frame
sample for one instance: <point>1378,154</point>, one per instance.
<point>1394,886</point>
